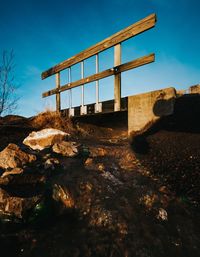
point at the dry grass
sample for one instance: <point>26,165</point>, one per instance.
<point>51,119</point>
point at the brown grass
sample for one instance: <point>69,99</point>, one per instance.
<point>51,119</point>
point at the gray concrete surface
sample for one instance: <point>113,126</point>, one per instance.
<point>145,109</point>
<point>195,89</point>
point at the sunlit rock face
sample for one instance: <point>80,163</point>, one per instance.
<point>44,138</point>
<point>68,149</point>
<point>12,157</point>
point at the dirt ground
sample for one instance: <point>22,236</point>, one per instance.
<point>133,200</point>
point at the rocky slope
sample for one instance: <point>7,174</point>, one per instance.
<point>89,194</point>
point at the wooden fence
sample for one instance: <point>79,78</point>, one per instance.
<point>113,41</point>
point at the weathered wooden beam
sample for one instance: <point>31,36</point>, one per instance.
<point>131,31</point>
<point>117,78</point>
<point>58,105</point>
<point>116,70</point>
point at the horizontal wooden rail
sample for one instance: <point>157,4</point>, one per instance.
<point>115,70</point>
<point>131,31</point>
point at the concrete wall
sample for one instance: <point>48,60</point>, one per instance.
<point>145,109</point>
<point>194,89</point>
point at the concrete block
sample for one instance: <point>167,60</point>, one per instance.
<point>83,109</point>
<point>194,89</point>
<point>98,107</point>
<point>71,112</point>
<point>145,109</point>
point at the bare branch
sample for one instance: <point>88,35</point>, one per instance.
<point>8,100</point>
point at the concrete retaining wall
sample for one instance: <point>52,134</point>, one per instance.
<point>145,109</point>
<point>194,89</point>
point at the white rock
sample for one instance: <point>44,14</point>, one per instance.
<point>44,138</point>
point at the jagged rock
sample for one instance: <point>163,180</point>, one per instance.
<point>13,157</point>
<point>44,138</point>
<point>62,194</point>
<point>16,207</point>
<point>15,171</point>
<point>69,149</point>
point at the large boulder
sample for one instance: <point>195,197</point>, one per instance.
<point>44,138</point>
<point>13,157</point>
<point>68,149</point>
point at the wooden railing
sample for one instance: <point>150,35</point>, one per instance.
<point>113,41</point>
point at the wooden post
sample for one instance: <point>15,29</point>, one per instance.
<point>70,91</point>
<point>82,87</point>
<point>117,79</point>
<point>58,94</point>
<point>97,81</point>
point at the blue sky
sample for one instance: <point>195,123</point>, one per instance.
<point>43,33</point>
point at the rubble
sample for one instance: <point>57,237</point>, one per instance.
<point>13,157</point>
<point>66,148</point>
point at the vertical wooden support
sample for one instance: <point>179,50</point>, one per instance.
<point>71,110</point>
<point>58,106</point>
<point>82,87</point>
<point>97,82</point>
<point>98,106</point>
<point>83,107</point>
<point>117,78</point>
<point>70,91</point>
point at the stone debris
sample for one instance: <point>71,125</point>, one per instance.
<point>45,138</point>
<point>162,214</point>
<point>97,152</point>
<point>16,206</point>
<point>13,157</point>
<point>66,148</point>
<point>15,171</point>
<point>101,217</point>
<point>51,163</point>
<point>149,200</point>
<point>62,194</point>
<point>101,196</point>
<point>107,175</point>
<point>22,179</point>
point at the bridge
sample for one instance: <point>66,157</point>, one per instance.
<point>135,106</point>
